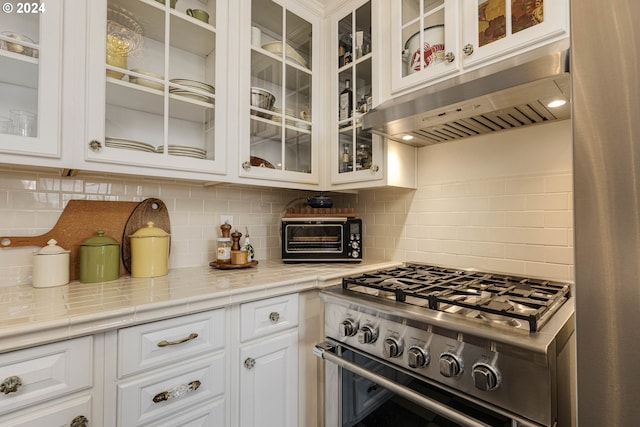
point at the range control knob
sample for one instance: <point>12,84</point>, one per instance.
<point>348,328</point>
<point>392,347</point>
<point>418,358</point>
<point>450,365</point>
<point>367,334</point>
<point>486,377</point>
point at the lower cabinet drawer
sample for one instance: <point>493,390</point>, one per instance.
<point>46,372</point>
<point>156,396</point>
<point>210,415</point>
<point>76,412</point>
<point>147,346</point>
<point>267,316</point>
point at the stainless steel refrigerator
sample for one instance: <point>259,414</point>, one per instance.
<point>605,72</point>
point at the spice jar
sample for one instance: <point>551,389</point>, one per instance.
<point>99,259</point>
<point>224,250</point>
<point>149,252</point>
<point>50,266</point>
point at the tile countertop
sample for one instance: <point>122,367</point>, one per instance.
<point>32,316</point>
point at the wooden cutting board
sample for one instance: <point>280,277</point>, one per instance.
<point>153,210</point>
<point>80,220</point>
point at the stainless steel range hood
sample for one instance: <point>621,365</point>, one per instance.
<point>510,94</point>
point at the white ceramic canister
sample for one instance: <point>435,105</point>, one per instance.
<point>149,252</point>
<point>51,266</point>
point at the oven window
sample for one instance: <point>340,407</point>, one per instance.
<point>365,404</point>
<point>314,237</point>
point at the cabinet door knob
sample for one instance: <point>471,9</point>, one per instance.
<point>165,343</point>
<point>10,384</point>
<point>450,57</point>
<point>374,168</point>
<point>246,166</point>
<point>468,49</point>
<point>79,421</point>
<point>249,362</point>
<point>274,316</point>
<point>178,391</point>
<point>95,145</point>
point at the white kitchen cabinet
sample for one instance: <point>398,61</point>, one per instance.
<point>278,105</point>
<point>268,362</point>
<point>156,88</point>
<point>169,371</point>
<point>425,37</point>
<point>52,384</point>
<point>31,83</point>
<point>496,28</point>
<point>474,32</point>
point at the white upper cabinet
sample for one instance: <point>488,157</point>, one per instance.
<point>156,87</point>
<point>495,28</point>
<point>424,41</point>
<point>30,82</point>
<point>277,106</point>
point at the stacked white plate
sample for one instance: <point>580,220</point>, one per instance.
<point>195,85</point>
<point>185,150</point>
<point>129,144</point>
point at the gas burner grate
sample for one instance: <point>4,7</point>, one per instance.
<point>494,296</point>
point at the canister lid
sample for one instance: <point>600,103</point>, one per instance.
<point>100,240</point>
<point>51,249</point>
<point>150,231</point>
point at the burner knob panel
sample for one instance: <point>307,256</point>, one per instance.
<point>418,358</point>
<point>367,334</point>
<point>392,347</point>
<point>450,365</point>
<point>348,328</point>
<point>486,377</point>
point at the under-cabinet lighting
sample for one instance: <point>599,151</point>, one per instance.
<point>407,137</point>
<point>556,103</point>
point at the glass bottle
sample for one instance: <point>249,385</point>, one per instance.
<point>346,101</point>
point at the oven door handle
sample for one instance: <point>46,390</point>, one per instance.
<point>326,351</point>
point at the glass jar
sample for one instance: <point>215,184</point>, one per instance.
<point>224,250</point>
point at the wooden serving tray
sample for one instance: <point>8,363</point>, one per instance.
<point>232,266</point>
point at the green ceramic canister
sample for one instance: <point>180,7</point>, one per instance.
<point>99,259</point>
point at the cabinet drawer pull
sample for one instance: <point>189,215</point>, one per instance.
<point>10,384</point>
<point>165,343</point>
<point>79,421</point>
<point>249,362</point>
<point>181,390</point>
<point>274,316</point>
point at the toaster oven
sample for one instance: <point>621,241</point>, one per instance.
<point>321,239</point>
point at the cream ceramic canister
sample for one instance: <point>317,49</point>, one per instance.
<point>149,252</point>
<point>51,266</point>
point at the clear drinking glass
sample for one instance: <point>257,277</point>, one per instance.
<point>24,122</point>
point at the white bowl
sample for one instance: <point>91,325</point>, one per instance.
<point>146,82</point>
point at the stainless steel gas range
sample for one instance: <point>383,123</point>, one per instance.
<point>426,345</point>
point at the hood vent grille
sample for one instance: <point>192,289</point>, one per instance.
<point>511,94</point>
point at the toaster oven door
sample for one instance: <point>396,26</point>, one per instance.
<point>319,239</point>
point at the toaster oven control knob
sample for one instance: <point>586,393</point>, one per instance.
<point>354,254</point>
<point>486,377</point>
<point>367,334</point>
<point>392,347</point>
<point>418,358</point>
<point>348,328</point>
<point>355,245</point>
<point>450,365</point>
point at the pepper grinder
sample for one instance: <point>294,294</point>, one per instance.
<point>235,238</point>
<point>225,229</point>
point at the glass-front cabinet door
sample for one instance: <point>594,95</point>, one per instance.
<point>277,105</point>
<point>153,92</point>
<point>356,153</point>
<point>30,79</point>
<point>493,28</point>
<point>424,43</point>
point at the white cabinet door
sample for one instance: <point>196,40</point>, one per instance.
<point>30,81</point>
<point>269,382</point>
<point>155,105</point>
<point>425,36</point>
<point>278,106</point>
<point>495,28</point>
